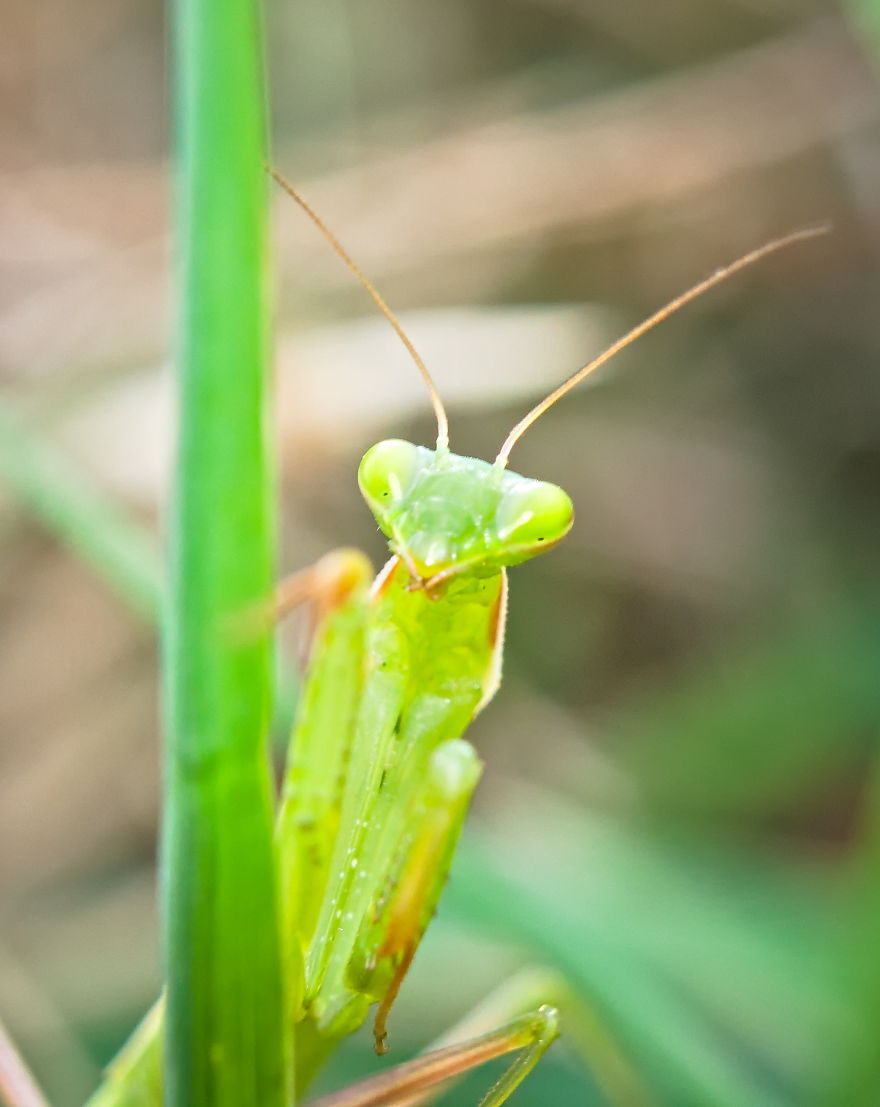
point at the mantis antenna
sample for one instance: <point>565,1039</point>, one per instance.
<point>436,402</point>
<point>648,324</point>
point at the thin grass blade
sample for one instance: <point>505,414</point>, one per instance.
<point>224,1035</point>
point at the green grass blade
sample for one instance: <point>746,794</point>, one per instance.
<point>134,1078</point>
<point>224,1028</point>
<point>81,514</point>
<point>777,716</point>
<point>694,983</point>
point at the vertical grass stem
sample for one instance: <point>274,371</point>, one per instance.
<point>224,1027</point>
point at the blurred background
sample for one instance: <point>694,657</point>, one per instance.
<point>680,810</point>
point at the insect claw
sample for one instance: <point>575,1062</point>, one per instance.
<point>380,1033</point>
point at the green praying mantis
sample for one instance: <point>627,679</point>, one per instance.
<point>379,775</point>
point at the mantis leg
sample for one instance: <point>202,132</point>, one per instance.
<point>410,1083</point>
<point>585,1032</point>
<point>461,1048</point>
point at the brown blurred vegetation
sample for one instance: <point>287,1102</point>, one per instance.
<point>522,178</point>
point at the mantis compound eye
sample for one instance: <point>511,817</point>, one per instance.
<point>386,472</point>
<point>532,514</point>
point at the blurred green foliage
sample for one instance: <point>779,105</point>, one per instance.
<point>680,807</point>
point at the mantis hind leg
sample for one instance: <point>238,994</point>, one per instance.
<point>415,1081</point>
<point>587,1036</point>
<point>586,1033</point>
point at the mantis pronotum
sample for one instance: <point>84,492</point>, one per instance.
<point>380,777</point>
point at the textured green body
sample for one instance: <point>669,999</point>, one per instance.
<point>423,853</point>
<point>379,777</point>
<point>427,663</point>
<point>311,802</point>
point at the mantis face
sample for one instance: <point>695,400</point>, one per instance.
<point>444,514</point>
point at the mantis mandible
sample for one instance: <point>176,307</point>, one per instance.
<point>379,776</point>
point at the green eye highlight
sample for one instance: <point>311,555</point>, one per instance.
<point>386,471</point>
<point>534,513</point>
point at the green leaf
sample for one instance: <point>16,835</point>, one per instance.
<point>756,729</point>
<point>713,972</point>
<point>225,1026</point>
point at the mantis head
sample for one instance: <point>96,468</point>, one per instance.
<point>444,514</point>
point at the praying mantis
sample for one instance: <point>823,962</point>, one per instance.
<point>379,776</point>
